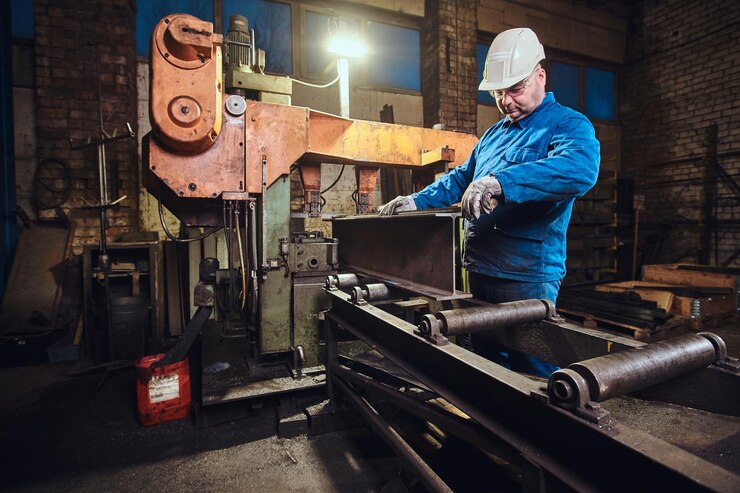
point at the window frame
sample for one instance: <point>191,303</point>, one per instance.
<point>359,75</point>
<point>582,63</point>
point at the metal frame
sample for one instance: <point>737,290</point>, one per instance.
<point>513,409</point>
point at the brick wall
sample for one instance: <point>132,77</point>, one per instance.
<point>70,36</point>
<point>448,71</point>
<point>681,77</point>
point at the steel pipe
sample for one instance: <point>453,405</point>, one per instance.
<point>635,369</point>
<point>476,319</point>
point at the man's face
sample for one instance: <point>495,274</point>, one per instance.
<point>522,98</point>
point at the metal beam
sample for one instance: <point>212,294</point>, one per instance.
<point>426,474</point>
<point>424,255</point>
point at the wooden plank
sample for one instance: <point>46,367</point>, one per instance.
<point>664,299</point>
<point>671,274</point>
<point>709,307</point>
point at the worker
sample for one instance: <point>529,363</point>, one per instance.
<point>517,188</point>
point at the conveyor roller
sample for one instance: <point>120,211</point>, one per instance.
<point>476,319</point>
<point>341,281</point>
<point>604,377</point>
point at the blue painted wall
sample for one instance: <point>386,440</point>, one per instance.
<point>7,153</point>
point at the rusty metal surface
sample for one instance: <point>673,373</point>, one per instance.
<point>278,133</point>
<point>634,369</point>
<point>378,143</point>
<point>284,135</point>
<point>289,134</point>
<point>186,90</point>
<point>467,320</point>
<point>440,155</point>
<point>207,174</point>
<point>413,251</point>
<point>200,150</point>
<point>311,180</point>
<point>366,178</point>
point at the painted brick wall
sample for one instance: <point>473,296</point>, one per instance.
<point>70,36</point>
<point>682,76</point>
<point>448,71</point>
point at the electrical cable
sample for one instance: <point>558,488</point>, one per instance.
<point>300,175</point>
<point>241,257</point>
<point>254,291</point>
<point>169,233</point>
<point>230,250</point>
<point>317,86</point>
<point>335,181</point>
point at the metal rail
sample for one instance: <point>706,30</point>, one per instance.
<point>426,474</point>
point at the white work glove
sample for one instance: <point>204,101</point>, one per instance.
<point>402,203</point>
<point>482,194</point>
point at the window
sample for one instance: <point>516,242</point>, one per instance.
<point>564,80</point>
<point>584,88</point>
<point>319,62</point>
<point>21,19</point>
<point>481,51</point>
<point>393,59</point>
<point>395,54</point>
<point>272,26</point>
<point>600,99</point>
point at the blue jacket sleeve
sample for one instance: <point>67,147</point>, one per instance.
<point>570,168</point>
<point>450,187</point>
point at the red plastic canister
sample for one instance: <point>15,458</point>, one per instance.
<point>162,394</point>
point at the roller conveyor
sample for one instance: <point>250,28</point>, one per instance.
<point>516,410</point>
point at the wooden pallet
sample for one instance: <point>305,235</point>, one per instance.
<point>675,326</point>
<point>706,309</point>
<point>713,321</point>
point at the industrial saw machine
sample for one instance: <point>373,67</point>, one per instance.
<point>223,145</point>
<point>220,155</point>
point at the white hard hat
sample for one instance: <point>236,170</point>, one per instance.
<point>513,55</point>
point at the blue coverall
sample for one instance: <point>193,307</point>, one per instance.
<point>543,162</point>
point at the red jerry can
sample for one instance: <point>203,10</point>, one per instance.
<point>162,394</point>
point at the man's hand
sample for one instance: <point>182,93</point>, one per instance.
<point>482,194</point>
<point>402,203</point>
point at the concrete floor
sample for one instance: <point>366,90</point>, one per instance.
<point>55,437</point>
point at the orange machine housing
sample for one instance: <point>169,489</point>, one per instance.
<point>201,147</point>
<point>186,82</point>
